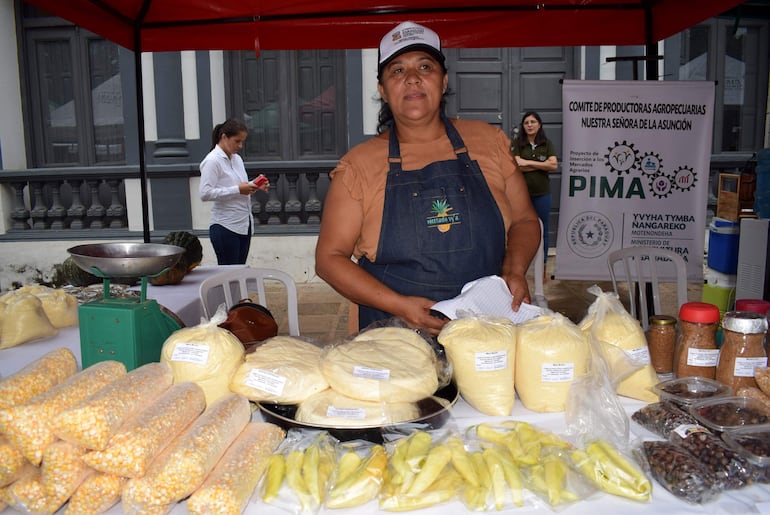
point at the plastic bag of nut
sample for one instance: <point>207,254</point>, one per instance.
<point>731,470</point>
<point>662,417</point>
<point>679,472</point>
<point>753,443</point>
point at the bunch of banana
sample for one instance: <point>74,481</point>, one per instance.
<point>357,480</point>
<point>549,479</point>
<point>420,474</point>
<point>521,439</point>
<point>306,472</point>
<point>611,472</point>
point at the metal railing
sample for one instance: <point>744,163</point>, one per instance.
<point>77,203</point>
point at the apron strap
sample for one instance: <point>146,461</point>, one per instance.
<point>394,148</point>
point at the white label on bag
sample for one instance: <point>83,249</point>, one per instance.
<point>381,374</point>
<point>702,357</point>
<point>744,367</point>
<point>686,430</point>
<point>640,355</point>
<point>557,372</point>
<point>492,360</point>
<point>356,413</point>
<point>191,353</point>
<point>266,381</point>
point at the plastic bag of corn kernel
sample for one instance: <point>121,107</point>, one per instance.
<point>38,377</point>
<point>92,422</point>
<point>96,494</point>
<point>29,427</point>
<point>181,468</point>
<point>11,462</point>
<point>62,471</point>
<point>26,494</point>
<point>135,445</point>
<point>229,486</point>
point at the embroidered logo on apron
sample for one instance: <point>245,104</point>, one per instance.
<point>441,219</point>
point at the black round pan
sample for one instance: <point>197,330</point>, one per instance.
<point>434,415</point>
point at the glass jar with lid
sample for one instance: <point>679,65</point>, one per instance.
<point>743,348</point>
<point>696,351</point>
<point>661,340</point>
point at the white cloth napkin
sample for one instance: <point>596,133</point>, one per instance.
<point>487,296</point>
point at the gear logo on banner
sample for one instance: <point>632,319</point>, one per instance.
<point>684,178</point>
<point>651,164</point>
<point>622,157</point>
<point>625,158</point>
<point>660,185</point>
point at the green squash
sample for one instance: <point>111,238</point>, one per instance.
<point>193,254</point>
<point>75,275</point>
<point>173,275</point>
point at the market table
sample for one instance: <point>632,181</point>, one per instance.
<point>182,299</point>
<point>754,499</point>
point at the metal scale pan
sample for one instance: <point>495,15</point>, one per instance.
<point>131,331</point>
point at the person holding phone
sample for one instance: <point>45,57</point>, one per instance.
<point>225,183</point>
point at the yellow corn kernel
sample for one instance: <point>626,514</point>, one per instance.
<point>38,377</point>
<point>11,462</point>
<point>26,494</point>
<point>62,471</point>
<point>29,427</point>
<point>181,468</point>
<point>98,493</point>
<point>131,450</point>
<point>228,488</point>
<point>92,422</point>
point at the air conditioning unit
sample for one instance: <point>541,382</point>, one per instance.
<point>753,278</point>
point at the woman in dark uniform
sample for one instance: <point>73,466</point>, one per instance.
<point>427,205</point>
<point>536,158</point>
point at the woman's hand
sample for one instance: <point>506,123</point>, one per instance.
<point>415,311</point>
<point>519,289</point>
<point>249,188</point>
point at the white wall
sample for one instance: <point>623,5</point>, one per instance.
<point>11,124</point>
<point>12,127</point>
<point>30,262</point>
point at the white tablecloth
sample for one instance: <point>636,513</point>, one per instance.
<point>182,299</point>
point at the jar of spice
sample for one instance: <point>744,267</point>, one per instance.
<point>696,351</point>
<point>756,306</point>
<point>661,340</point>
<point>743,348</point>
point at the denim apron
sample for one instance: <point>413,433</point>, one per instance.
<point>441,228</point>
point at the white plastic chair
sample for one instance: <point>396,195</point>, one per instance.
<point>233,285</point>
<point>638,271</point>
<point>538,297</point>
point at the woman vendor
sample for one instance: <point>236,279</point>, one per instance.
<point>427,205</point>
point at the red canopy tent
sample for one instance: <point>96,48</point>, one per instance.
<point>167,25</point>
<point>171,25</point>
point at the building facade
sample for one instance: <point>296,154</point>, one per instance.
<point>70,138</point>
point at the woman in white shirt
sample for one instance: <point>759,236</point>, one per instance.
<point>224,182</point>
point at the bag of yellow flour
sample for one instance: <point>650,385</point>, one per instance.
<point>551,352</point>
<point>482,351</point>
<point>623,345</point>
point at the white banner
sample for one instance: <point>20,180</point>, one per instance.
<point>635,172</point>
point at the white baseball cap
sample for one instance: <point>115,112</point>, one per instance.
<point>406,37</point>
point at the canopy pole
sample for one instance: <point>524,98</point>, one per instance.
<point>140,130</point>
<point>650,46</point>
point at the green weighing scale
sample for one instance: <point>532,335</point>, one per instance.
<point>132,330</point>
